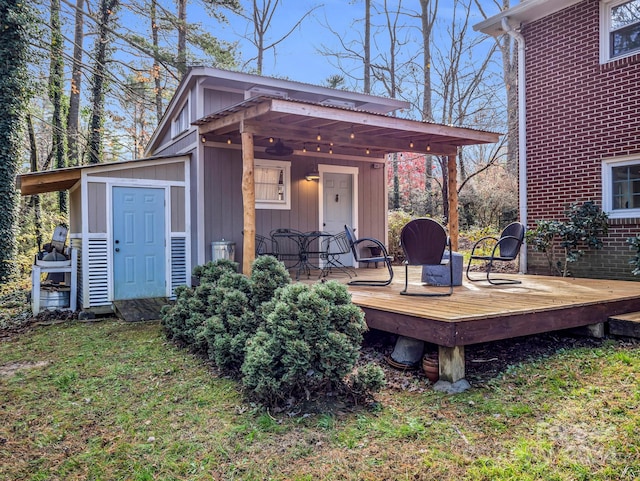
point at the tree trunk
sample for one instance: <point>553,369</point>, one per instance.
<point>17,18</point>
<point>101,56</point>
<point>73,117</point>
<point>56,72</point>
<point>182,37</point>
<point>35,199</point>
<point>156,64</point>
<point>367,47</point>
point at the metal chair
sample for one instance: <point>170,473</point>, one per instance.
<point>355,244</point>
<point>334,247</point>
<point>424,242</point>
<point>288,243</point>
<point>503,249</point>
<point>265,246</point>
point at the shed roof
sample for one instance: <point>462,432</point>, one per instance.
<point>56,180</point>
<point>347,131</point>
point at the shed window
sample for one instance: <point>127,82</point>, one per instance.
<point>181,122</point>
<point>273,184</point>
<point>621,188</point>
<point>620,29</point>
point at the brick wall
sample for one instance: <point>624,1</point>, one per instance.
<point>578,113</point>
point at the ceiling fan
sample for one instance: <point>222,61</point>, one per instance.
<point>279,149</point>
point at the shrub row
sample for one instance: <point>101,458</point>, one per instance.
<point>283,341</point>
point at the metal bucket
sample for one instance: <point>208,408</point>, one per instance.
<point>223,250</point>
<point>54,299</point>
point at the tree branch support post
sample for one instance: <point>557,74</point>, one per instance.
<point>248,202</point>
<point>452,179</point>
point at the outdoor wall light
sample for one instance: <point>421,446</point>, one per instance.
<point>314,175</point>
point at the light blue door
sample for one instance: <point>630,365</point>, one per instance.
<point>138,243</point>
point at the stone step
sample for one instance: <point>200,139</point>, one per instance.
<point>627,325</point>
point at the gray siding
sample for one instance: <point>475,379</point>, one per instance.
<point>182,146</point>
<point>166,171</point>
<point>75,211</point>
<point>223,199</point>
<point>96,207</point>
<point>215,100</point>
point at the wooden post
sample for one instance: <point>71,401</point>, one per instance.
<point>452,179</point>
<point>451,363</point>
<point>248,203</point>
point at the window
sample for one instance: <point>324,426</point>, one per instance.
<point>621,188</point>
<point>181,122</point>
<point>620,29</point>
<point>272,181</point>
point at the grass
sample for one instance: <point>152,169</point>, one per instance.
<point>115,401</point>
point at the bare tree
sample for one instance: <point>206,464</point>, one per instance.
<point>101,57</point>
<point>73,116</point>
<point>262,14</point>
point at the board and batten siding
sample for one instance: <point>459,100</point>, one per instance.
<point>223,198</point>
<point>215,100</point>
<point>181,146</point>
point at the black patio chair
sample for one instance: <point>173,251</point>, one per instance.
<point>356,244</point>
<point>333,247</point>
<point>265,246</point>
<point>424,242</point>
<point>503,249</point>
<point>288,243</point>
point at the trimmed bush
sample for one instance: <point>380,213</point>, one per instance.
<point>309,342</point>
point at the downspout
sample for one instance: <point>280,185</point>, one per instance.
<point>522,133</point>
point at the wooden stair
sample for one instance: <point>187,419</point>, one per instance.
<point>627,325</point>
<point>133,310</point>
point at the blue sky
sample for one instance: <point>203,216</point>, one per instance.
<point>297,58</point>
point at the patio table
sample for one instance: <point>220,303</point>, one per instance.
<point>308,246</point>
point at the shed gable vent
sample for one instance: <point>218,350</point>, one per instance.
<point>258,91</point>
<point>338,103</point>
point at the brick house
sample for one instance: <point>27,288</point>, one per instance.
<point>580,118</point>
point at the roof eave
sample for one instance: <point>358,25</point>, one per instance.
<point>523,13</point>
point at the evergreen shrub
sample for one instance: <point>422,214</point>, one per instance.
<point>309,342</point>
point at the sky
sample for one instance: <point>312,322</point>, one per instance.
<point>298,58</point>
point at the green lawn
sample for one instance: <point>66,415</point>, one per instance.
<point>114,401</point>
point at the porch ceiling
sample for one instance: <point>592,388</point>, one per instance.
<point>347,131</point>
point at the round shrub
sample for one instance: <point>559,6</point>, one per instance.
<point>309,342</point>
<point>367,380</point>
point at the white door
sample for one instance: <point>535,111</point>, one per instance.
<point>338,205</point>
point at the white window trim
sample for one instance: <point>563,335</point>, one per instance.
<point>607,194</point>
<point>177,126</point>
<point>285,203</point>
<point>605,24</point>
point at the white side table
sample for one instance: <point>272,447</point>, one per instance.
<point>70,271</point>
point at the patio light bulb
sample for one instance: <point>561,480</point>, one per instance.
<point>331,150</point>
<point>271,140</point>
<point>367,151</point>
<point>318,148</point>
<point>352,135</point>
<point>411,144</point>
<point>318,137</point>
<point>229,140</point>
<point>304,147</point>
<point>428,148</point>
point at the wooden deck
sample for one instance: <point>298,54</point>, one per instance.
<point>479,312</point>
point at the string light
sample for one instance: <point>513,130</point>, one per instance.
<point>411,144</point>
<point>428,148</point>
<point>331,150</point>
<point>271,140</point>
<point>318,148</point>
<point>352,134</point>
<point>229,140</point>
<point>368,151</point>
<point>318,137</point>
<point>304,147</point>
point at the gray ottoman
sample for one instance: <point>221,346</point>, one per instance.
<point>439,275</point>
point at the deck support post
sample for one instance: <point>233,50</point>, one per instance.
<point>451,362</point>
<point>248,202</point>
